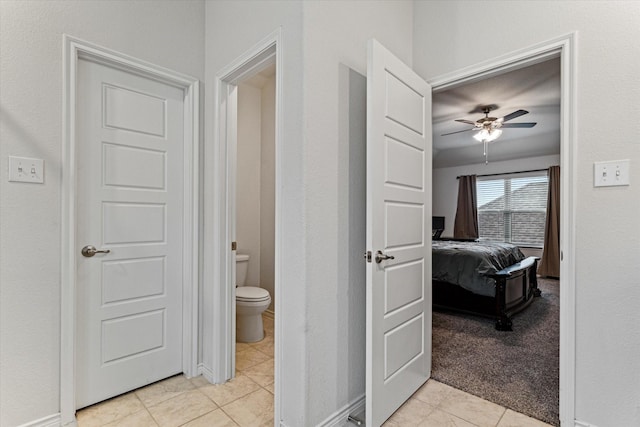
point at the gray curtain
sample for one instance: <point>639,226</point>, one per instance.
<point>550,262</point>
<point>466,223</point>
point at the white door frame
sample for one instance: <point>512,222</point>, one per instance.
<point>565,48</point>
<point>219,270</point>
<point>73,50</point>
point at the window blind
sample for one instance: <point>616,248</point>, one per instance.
<point>513,209</point>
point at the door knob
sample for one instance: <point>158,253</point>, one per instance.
<point>90,251</point>
<point>381,257</point>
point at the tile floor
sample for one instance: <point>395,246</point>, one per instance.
<point>247,400</point>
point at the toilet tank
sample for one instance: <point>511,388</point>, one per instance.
<point>242,266</point>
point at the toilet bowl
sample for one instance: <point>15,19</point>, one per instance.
<point>251,302</point>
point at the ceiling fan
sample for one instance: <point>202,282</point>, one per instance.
<point>490,127</point>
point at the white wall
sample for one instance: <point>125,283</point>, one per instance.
<point>170,34</point>
<point>608,65</point>
<point>268,189</point>
<point>445,182</point>
<point>335,46</point>
<point>248,178</point>
<point>255,186</point>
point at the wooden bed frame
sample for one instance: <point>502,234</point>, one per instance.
<point>516,286</point>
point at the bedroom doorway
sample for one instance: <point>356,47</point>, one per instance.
<point>556,53</point>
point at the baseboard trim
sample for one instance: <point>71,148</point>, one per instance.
<point>269,314</point>
<point>339,418</point>
<point>205,372</point>
<point>582,424</point>
<point>49,421</point>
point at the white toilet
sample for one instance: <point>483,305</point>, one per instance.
<point>251,301</point>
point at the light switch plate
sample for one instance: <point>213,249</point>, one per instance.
<point>25,169</point>
<point>612,173</point>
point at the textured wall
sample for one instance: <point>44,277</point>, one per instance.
<point>248,209</point>
<point>170,34</point>
<point>336,34</point>
<point>608,235</point>
<point>268,189</point>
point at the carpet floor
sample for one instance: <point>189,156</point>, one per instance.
<point>518,370</point>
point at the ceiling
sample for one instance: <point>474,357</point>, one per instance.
<point>535,88</point>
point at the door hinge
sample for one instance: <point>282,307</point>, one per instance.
<point>234,246</point>
<point>367,256</point>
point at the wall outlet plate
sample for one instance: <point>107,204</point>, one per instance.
<point>612,173</point>
<point>26,169</point>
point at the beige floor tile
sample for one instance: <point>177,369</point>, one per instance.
<point>411,413</point>
<point>516,419</point>
<point>270,388</point>
<point>265,346</point>
<point>181,409</point>
<point>225,393</point>
<point>268,324</point>
<point>164,390</point>
<point>199,381</point>
<point>261,373</point>
<point>139,419</point>
<point>252,410</point>
<point>109,410</point>
<point>248,358</point>
<point>433,392</point>
<point>241,346</point>
<point>216,418</point>
<point>472,408</point>
<point>440,418</point>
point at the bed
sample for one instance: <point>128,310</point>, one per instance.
<point>484,278</point>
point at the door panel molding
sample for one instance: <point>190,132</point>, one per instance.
<point>75,49</point>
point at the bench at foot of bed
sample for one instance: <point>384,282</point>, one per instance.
<point>516,286</point>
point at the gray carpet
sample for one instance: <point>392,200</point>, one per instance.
<point>518,369</point>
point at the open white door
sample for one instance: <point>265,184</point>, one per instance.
<point>398,241</point>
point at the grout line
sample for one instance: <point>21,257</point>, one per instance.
<point>151,415</point>
<point>501,417</point>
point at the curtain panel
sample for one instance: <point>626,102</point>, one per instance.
<point>550,262</point>
<point>466,222</point>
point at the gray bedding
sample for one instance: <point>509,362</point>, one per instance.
<point>466,263</point>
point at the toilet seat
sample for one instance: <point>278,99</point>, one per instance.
<point>252,294</point>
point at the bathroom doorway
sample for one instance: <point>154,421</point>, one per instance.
<point>236,157</point>
<point>255,230</point>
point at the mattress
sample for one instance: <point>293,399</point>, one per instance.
<point>466,264</point>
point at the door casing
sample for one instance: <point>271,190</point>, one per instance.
<point>565,48</point>
<point>73,50</point>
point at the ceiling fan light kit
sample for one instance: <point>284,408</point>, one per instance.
<point>489,127</point>
<point>488,135</point>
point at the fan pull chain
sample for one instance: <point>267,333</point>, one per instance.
<point>486,151</point>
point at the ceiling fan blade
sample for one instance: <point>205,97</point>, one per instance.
<point>518,125</point>
<point>514,115</point>
<point>459,131</point>
<point>469,122</point>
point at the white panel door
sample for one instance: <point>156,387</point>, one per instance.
<point>398,357</point>
<point>129,184</point>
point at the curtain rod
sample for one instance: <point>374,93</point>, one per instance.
<point>509,173</point>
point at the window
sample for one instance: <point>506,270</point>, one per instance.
<point>513,209</point>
